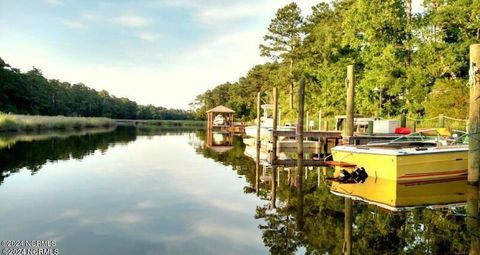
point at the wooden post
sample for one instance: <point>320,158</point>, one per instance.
<point>348,131</point>
<point>301,98</point>
<point>257,172</point>
<point>347,245</point>
<point>319,120</point>
<point>370,127</point>
<point>259,119</point>
<point>474,118</point>
<point>275,123</point>
<point>414,126</point>
<point>308,121</point>
<point>403,120</point>
<point>441,121</point>
<point>279,117</point>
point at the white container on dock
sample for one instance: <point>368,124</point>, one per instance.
<point>385,126</point>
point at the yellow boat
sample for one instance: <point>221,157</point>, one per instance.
<point>396,196</point>
<point>409,158</point>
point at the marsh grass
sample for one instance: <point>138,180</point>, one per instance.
<point>9,122</point>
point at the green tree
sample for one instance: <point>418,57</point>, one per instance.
<point>283,38</point>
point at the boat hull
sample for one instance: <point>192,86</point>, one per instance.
<point>406,167</point>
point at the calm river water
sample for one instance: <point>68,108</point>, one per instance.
<point>130,191</point>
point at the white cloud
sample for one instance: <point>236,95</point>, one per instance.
<point>73,24</point>
<point>147,36</point>
<point>131,21</point>
<point>54,2</point>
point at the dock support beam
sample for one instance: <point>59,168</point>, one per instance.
<point>474,116</point>
<point>275,123</point>
<point>350,103</point>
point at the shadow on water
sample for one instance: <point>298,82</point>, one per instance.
<point>302,214</point>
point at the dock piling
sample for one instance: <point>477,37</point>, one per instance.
<point>403,120</point>
<point>319,120</point>
<point>259,119</point>
<point>370,128</point>
<point>441,120</point>
<point>350,102</point>
<point>275,123</point>
<point>474,116</point>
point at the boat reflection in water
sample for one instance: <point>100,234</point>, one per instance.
<point>447,194</point>
<point>399,196</point>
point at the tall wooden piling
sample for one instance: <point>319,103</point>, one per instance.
<point>275,123</point>
<point>300,117</point>
<point>348,132</point>
<point>301,101</point>
<point>474,116</point>
<point>259,119</point>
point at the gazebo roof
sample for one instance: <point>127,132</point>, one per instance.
<point>221,109</point>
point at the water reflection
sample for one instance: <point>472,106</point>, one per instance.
<point>33,150</point>
<point>147,197</point>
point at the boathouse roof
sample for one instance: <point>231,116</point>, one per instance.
<point>221,109</point>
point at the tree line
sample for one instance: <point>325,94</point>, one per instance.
<point>32,93</point>
<point>405,62</point>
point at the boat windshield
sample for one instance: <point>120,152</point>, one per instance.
<point>453,137</point>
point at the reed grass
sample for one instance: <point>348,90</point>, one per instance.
<point>10,122</point>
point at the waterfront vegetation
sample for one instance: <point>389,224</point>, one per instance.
<point>418,62</point>
<point>11,122</point>
<point>31,93</point>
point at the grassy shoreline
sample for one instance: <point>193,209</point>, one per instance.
<point>16,123</point>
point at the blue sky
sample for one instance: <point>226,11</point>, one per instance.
<point>161,52</point>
